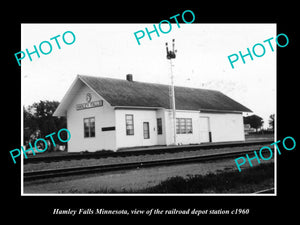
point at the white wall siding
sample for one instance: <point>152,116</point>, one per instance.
<point>191,138</point>
<point>225,126</point>
<point>168,127</point>
<point>139,116</point>
<point>161,138</point>
<point>104,117</point>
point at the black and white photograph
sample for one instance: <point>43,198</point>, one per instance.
<point>174,114</point>
<point>150,111</point>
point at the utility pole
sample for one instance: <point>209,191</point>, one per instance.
<point>171,55</point>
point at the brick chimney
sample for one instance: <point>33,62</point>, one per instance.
<point>129,77</point>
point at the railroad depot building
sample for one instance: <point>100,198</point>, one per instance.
<point>111,114</point>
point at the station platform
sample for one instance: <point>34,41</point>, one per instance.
<point>203,145</point>
<point>153,149</point>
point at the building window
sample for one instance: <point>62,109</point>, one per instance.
<point>89,127</point>
<point>177,126</point>
<point>189,126</point>
<point>146,130</point>
<point>184,126</point>
<point>159,126</point>
<point>129,124</point>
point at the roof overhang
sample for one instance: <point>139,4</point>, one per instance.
<point>62,108</point>
<point>138,107</point>
<point>221,111</point>
<point>78,83</point>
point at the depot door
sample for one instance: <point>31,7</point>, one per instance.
<point>146,130</point>
<point>204,130</point>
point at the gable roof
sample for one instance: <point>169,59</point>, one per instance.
<point>125,93</point>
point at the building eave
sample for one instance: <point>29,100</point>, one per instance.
<point>61,110</point>
<point>221,111</point>
<point>138,107</point>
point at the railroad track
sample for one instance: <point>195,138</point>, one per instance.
<point>156,150</point>
<point>42,174</point>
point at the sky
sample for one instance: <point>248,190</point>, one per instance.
<point>111,50</point>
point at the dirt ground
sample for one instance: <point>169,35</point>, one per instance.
<point>127,180</point>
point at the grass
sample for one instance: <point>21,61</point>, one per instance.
<point>248,181</point>
<point>252,136</point>
<point>227,182</point>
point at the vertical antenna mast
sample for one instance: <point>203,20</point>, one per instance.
<point>171,55</point>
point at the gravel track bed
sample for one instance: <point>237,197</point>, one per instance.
<point>130,159</point>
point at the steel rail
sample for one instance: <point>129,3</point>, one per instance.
<point>42,174</point>
<point>151,151</point>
